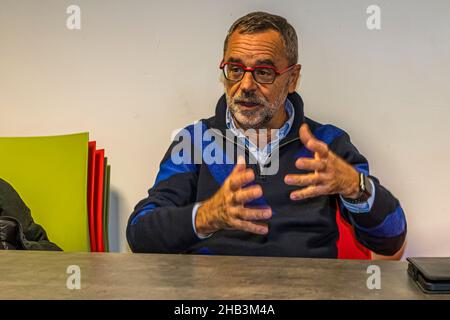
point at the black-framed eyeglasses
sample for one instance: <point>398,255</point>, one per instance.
<point>234,71</point>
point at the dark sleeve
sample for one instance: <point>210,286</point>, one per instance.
<point>383,228</point>
<point>162,222</point>
<point>12,205</point>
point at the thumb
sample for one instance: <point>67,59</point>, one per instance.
<point>305,134</point>
<point>241,165</point>
<point>319,148</point>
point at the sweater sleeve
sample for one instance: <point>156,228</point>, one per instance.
<point>383,228</point>
<point>162,222</point>
<point>12,205</point>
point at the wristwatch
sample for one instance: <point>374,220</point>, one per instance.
<point>365,190</point>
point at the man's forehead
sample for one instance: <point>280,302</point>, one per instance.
<point>259,47</point>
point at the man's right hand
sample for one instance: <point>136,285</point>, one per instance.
<point>225,210</point>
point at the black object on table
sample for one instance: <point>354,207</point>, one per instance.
<point>432,275</point>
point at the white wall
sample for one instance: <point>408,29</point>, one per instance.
<point>139,69</point>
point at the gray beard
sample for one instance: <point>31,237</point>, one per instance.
<point>268,112</point>
<point>267,115</point>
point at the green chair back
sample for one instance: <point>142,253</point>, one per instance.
<point>50,175</point>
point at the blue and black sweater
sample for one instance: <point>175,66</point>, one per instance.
<point>162,223</point>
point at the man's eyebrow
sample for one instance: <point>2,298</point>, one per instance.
<point>261,62</point>
<point>265,62</point>
<point>237,60</point>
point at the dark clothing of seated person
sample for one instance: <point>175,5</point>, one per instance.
<point>18,231</point>
<point>295,176</point>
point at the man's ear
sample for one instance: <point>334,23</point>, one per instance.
<point>294,78</point>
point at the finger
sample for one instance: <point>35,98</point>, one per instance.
<point>303,179</point>
<point>248,194</point>
<point>253,227</point>
<point>250,214</point>
<point>311,142</point>
<point>240,175</point>
<point>240,165</point>
<point>305,134</point>
<point>309,192</point>
<point>319,148</point>
<point>311,164</point>
<point>241,178</point>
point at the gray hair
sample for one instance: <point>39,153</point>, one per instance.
<point>261,21</point>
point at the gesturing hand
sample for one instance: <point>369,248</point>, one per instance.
<point>226,210</point>
<point>330,173</point>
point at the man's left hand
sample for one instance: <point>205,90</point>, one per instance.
<point>330,173</point>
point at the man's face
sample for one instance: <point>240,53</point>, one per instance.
<point>255,105</point>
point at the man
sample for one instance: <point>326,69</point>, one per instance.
<point>242,209</point>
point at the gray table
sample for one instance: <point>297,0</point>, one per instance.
<point>31,275</point>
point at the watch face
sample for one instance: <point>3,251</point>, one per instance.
<point>362,182</point>
<point>367,189</point>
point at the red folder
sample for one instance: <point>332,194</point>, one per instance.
<point>90,194</point>
<point>98,199</point>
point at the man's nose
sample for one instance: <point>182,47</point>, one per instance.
<point>248,83</point>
